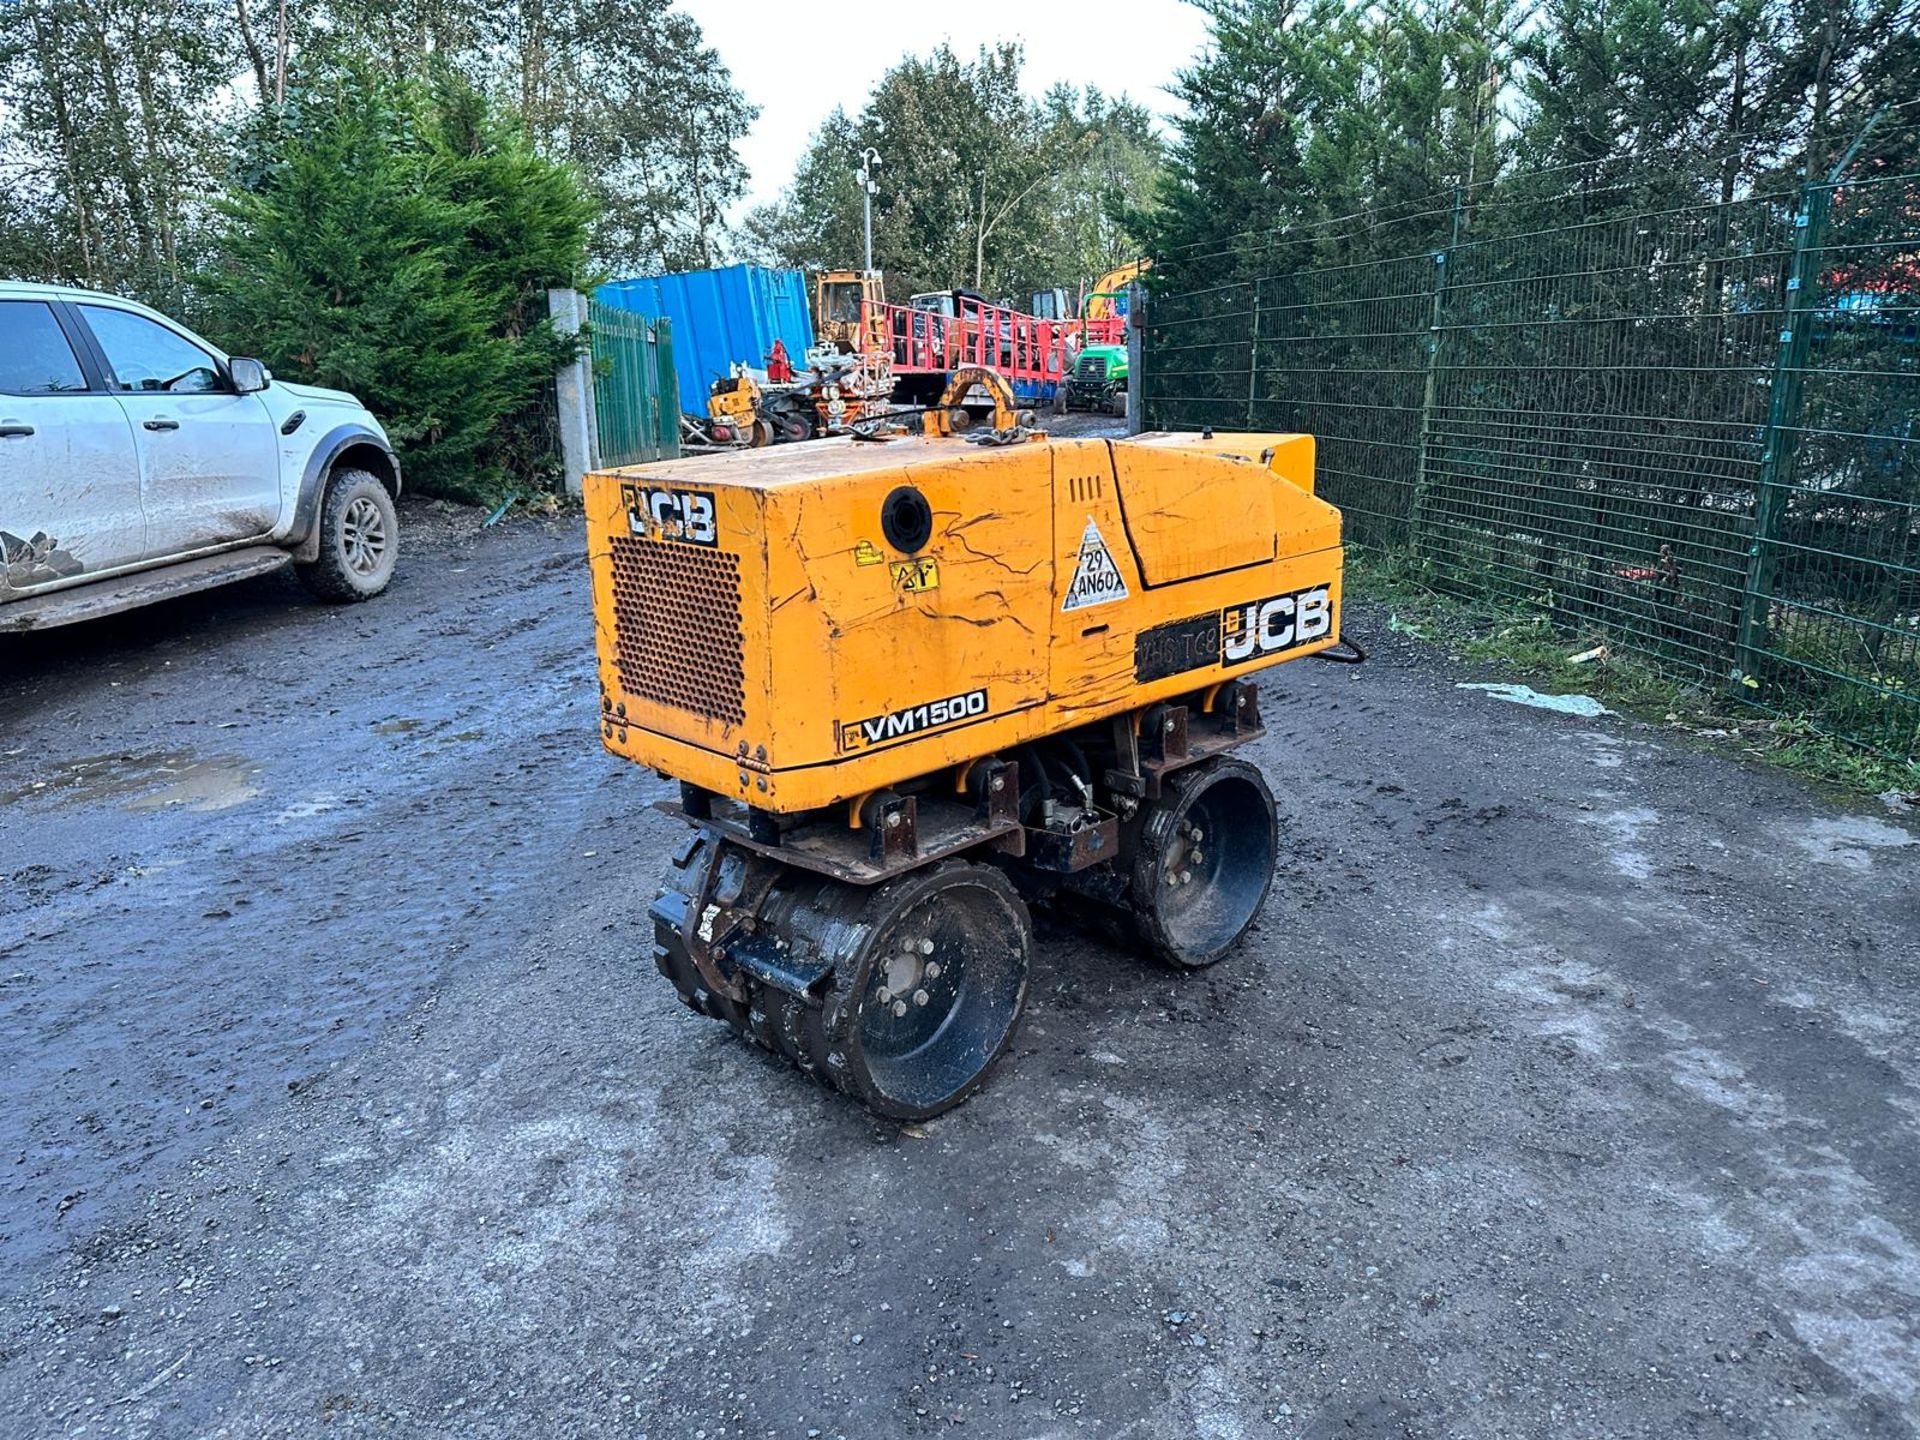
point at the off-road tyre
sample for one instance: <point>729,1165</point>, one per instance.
<point>359,540</point>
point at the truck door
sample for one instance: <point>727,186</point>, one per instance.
<point>69,474</point>
<point>209,461</point>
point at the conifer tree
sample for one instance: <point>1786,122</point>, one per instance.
<point>396,239</point>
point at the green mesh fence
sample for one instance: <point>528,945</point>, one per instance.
<point>1695,429</point>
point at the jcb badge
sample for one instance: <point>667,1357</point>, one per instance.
<point>658,513</point>
<point>1266,627</point>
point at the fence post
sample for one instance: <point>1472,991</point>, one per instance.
<point>1136,328</point>
<point>1253,354</point>
<point>666,389</point>
<point>573,389</point>
<point>1781,437</point>
<point>1429,389</point>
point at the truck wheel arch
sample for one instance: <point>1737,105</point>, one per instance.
<point>350,447</point>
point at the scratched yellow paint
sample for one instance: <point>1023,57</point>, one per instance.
<point>848,644</point>
<point>1288,456</point>
<point>831,641</point>
<point>1187,520</point>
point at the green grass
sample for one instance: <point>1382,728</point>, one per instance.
<point>1530,643</point>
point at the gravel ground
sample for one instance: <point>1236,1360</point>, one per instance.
<point>1569,1085</point>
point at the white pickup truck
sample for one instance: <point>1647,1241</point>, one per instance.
<point>138,462</point>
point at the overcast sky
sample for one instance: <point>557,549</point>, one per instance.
<point>797,61</point>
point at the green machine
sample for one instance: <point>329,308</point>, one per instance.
<point>1099,377</point>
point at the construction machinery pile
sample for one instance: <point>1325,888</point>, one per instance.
<point>844,376</point>
<point>870,355</point>
<point>1098,380</point>
<point>917,679</point>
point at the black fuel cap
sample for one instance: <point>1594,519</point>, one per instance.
<point>906,519</point>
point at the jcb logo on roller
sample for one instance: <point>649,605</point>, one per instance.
<point>1266,627</point>
<point>662,514</point>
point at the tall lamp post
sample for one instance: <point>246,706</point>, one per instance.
<point>869,162</point>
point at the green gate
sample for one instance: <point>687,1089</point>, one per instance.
<point>636,395</point>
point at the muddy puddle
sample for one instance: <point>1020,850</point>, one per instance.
<point>148,780</point>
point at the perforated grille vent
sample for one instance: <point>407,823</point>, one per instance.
<point>677,627</point>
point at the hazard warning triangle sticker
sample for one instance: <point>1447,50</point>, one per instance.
<point>1096,579</point>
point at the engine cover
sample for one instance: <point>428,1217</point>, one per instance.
<point>806,624</point>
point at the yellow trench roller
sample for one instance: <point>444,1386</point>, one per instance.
<point>911,685</point>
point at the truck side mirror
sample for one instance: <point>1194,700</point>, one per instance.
<point>248,376</point>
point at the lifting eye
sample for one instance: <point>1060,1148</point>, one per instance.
<point>906,519</point>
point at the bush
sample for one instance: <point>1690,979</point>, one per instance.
<point>397,239</point>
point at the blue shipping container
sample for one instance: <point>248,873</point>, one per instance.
<point>721,318</point>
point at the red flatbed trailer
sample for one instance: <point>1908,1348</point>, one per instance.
<point>1033,354</point>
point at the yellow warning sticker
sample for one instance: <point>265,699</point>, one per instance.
<point>915,576</point>
<point>867,553</point>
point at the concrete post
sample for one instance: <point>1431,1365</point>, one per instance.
<point>573,387</point>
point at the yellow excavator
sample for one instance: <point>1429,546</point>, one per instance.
<point>1106,298</point>
<point>849,313</point>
